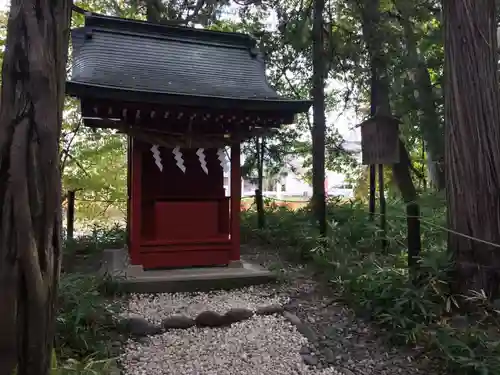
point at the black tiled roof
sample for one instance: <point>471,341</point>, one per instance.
<point>140,57</point>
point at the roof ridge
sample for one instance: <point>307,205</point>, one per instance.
<point>144,27</point>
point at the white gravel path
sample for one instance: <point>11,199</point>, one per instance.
<point>267,345</point>
<point>157,307</point>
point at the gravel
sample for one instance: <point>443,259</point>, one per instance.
<point>315,329</point>
<point>260,345</point>
<point>157,307</point>
<point>342,340</point>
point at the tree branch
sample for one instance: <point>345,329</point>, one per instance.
<point>65,151</point>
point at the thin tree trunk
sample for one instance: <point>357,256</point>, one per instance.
<point>372,168</point>
<point>430,123</point>
<point>319,126</point>
<point>431,127</point>
<point>401,171</point>
<point>33,80</point>
<point>473,143</point>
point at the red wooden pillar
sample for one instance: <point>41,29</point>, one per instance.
<point>235,201</point>
<point>135,168</point>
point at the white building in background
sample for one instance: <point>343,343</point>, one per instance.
<point>293,185</point>
<point>291,182</point>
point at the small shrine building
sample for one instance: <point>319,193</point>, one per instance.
<point>183,96</point>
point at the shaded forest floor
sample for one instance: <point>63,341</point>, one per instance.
<point>365,315</point>
<point>88,338</point>
<point>339,337</point>
<point>354,271</point>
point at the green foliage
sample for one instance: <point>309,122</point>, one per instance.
<point>95,162</point>
<point>3,32</point>
<point>85,324</point>
<point>84,253</point>
<point>88,366</point>
<point>378,284</point>
<point>95,240</point>
<point>87,335</point>
<point>74,367</point>
<point>95,166</point>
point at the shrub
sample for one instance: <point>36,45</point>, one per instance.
<point>85,251</point>
<point>86,332</point>
<point>85,321</point>
<point>378,283</point>
<point>97,239</point>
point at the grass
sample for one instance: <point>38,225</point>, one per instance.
<point>292,202</point>
<point>377,283</point>
<point>87,335</point>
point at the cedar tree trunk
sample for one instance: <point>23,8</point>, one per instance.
<point>32,100</point>
<point>472,143</point>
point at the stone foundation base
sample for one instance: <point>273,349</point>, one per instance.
<point>135,279</point>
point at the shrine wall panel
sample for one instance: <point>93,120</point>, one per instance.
<point>172,182</point>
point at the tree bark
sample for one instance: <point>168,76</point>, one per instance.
<point>472,132</point>
<point>319,126</point>
<point>32,97</point>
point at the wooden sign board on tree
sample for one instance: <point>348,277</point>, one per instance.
<point>380,140</point>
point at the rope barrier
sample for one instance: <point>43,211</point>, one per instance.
<point>444,229</point>
<point>388,216</point>
<point>100,200</point>
<point>242,198</point>
<point>275,199</point>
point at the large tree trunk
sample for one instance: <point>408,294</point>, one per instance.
<point>319,126</point>
<point>32,100</point>
<point>472,143</point>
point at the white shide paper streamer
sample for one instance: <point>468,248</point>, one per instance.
<point>222,158</point>
<point>178,158</point>
<point>201,158</point>
<point>157,157</point>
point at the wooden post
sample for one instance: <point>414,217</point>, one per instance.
<point>70,215</point>
<point>235,201</point>
<point>383,227</point>
<point>414,241</point>
<point>129,187</point>
<point>372,187</point>
<point>135,204</point>
<point>259,202</point>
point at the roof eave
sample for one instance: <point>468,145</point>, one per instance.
<point>85,90</point>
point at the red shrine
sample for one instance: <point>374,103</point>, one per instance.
<point>183,96</point>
